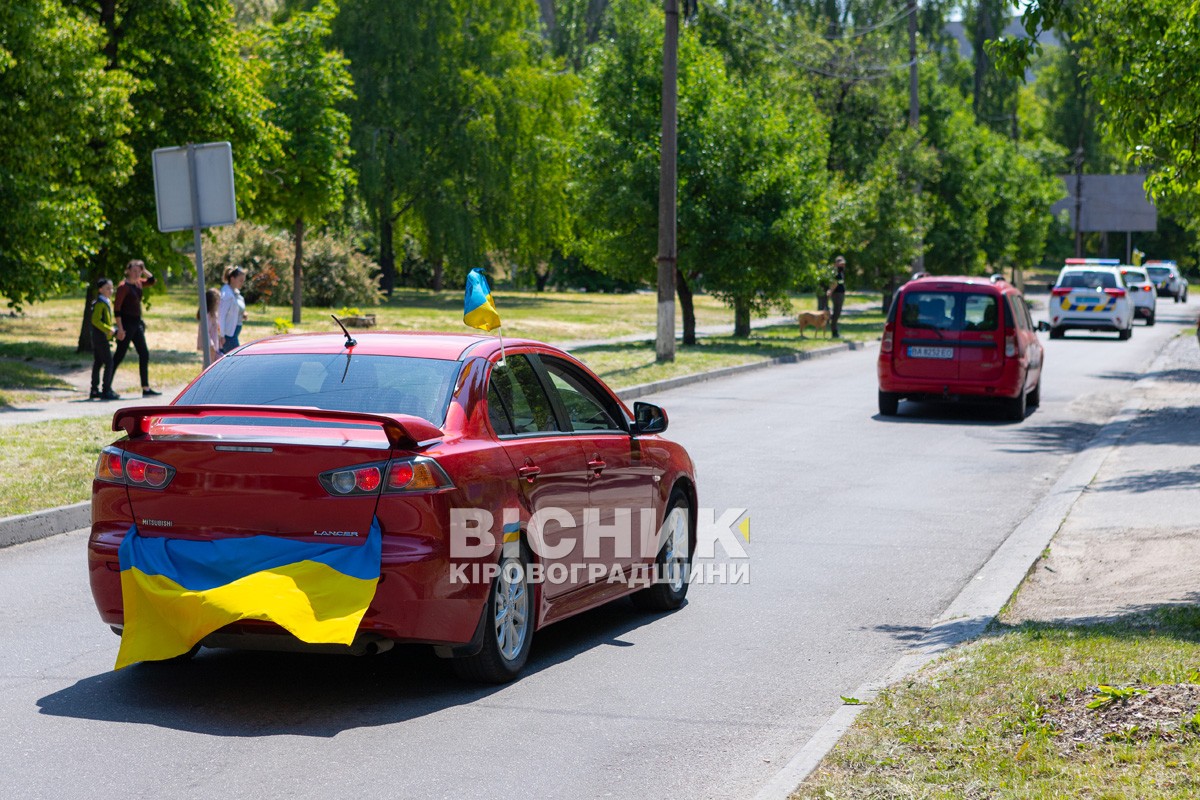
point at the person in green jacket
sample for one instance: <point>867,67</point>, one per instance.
<point>103,330</point>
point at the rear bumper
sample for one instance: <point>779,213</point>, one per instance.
<point>416,600</point>
<point>1007,386</point>
<point>1069,323</point>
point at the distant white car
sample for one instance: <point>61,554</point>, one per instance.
<point>1168,280</point>
<point>1090,295</point>
<point>1141,291</point>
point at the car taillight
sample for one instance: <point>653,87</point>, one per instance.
<point>417,474</point>
<point>888,337</point>
<point>116,466</point>
<point>1010,346</point>
<point>398,476</point>
<point>1059,291</point>
<point>1115,292</point>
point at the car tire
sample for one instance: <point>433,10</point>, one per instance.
<point>1150,320</point>
<point>510,615</point>
<point>673,562</point>
<point>1125,334</point>
<point>1016,407</point>
<point>889,403</point>
<point>1057,333</point>
<point>1035,397</point>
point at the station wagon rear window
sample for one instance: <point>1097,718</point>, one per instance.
<point>364,383</point>
<point>950,311</point>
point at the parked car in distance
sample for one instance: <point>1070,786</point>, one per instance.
<point>1168,280</point>
<point>1142,292</point>
<point>1090,295</point>
<point>306,437</point>
<point>960,338</point>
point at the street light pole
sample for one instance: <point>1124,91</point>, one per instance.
<point>665,341</point>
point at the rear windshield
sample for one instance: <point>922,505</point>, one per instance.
<point>369,384</point>
<point>950,311</point>
<point>1134,275</point>
<point>1088,280</point>
<point>1159,272</point>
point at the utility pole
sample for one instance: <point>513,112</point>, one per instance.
<point>1078,202</point>
<point>665,341</point>
<point>914,105</point>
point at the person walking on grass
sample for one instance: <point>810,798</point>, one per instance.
<point>837,295</point>
<point>103,331</point>
<point>130,328</point>
<point>233,309</point>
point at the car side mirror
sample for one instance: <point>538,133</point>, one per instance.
<point>1043,325</point>
<point>1049,287</point>
<point>648,418</point>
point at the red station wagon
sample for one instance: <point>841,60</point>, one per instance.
<point>959,338</point>
<point>307,437</point>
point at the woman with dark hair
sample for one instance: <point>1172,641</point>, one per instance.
<point>233,308</point>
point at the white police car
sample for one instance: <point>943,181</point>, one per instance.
<point>1090,295</point>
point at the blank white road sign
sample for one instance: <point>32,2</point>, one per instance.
<point>214,181</point>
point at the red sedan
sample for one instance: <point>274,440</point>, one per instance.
<point>500,494</point>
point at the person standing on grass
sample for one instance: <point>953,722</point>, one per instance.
<point>103,331</point>
<point>130,328</point>
<point>212,302</point>
<point>837,294</point>
<point>233,309</point>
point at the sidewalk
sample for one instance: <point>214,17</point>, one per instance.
<point>1132,539</point>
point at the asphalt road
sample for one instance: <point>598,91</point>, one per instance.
<point>863,530</point>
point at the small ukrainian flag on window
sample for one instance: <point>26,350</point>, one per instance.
<point>479,310</point>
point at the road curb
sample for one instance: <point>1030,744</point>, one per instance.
<point>644,389</point>
<point>51,522</point>
<point>980,602</point>
<point>40,524</point>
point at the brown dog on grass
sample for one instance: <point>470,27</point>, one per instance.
<point>813,319</point>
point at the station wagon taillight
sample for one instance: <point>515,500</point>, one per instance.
<point>117,466</point>
<point>1010,346</point>
<point>1060,291</point>
<point>888,337</point>
<point>1115,292</point>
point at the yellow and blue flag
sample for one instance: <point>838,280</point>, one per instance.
<point>479,310</point>
<point>177,591</point>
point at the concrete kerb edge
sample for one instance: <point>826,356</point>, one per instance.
<point>644,389</point>
<point>981,600</point>
<point>51,522</point>
<point>40,524</point>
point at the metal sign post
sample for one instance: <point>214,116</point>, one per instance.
<point>193,188</point>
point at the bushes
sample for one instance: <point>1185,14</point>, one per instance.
<point>334,273</point>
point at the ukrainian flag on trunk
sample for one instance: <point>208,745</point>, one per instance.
<point>177,591</point>
<point>479,310</point>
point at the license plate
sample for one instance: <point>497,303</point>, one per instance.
<point>930,352</point>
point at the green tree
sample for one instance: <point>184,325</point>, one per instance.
<point>306,83</point>
<point>458,126</point>
<point>751,172</point>
<point>56,102</point>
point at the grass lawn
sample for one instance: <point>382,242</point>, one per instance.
<point>37,353</point>
<point>1008,717</point>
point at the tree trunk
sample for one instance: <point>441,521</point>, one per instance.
<point>687,307</point>
<point>387,253</point>
<point>438,273</point>
<point>297,271</point>
<point>541,277</point>
<point>741,318</point>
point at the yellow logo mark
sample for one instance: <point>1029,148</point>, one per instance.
<point>744,527</point>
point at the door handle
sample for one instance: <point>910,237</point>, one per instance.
<point>597,465</point>
<point>529,472</point>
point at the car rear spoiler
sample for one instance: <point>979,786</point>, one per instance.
<point>402,430</point>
